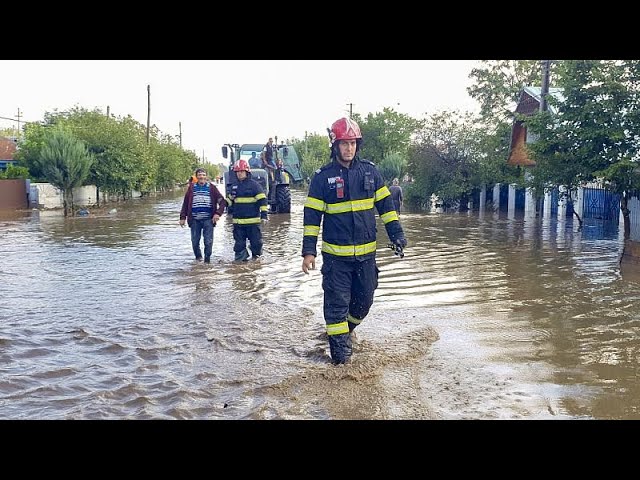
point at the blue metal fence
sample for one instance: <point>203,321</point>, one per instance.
<point>601,204</point>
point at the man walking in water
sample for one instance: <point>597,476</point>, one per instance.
<point>396,195</point>
<point>202,207</point>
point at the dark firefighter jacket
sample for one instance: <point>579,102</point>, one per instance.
<point>247,202</point>
<point>349,227</point>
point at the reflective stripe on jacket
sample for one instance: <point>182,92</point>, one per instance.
<point>247,202</point>
<point>349,226</point>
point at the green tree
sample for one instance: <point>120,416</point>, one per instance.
<point>28,153</point>
<point>14,171</point>
<point>65,163</point>
<point>392,166</point>
<point>386,132</point>
<point>314,152</point>
<point>497,85</point>
<point>593,135</point>
<point>123,161</point>
<point>445,159</point>
<point>9,132</point>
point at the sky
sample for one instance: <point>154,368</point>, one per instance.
<point>234,101</point>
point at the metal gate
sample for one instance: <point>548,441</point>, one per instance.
<point>601,204</point>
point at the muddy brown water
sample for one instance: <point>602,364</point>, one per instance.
<point>486,317</point>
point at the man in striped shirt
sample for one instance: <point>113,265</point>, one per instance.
<point>202,207</point>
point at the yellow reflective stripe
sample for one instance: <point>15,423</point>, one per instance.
<point>315,203</point>
<point>364,204</point>
<point>350,206</point>
<point>348,250</point>
<point>354,320</point>
<point>246,199</point>
<point>312,230</point>
<point>389,216</point>
<point>229,200</point>
<point>246,221</point>
<point>337,328</point>
<point>338,207</point>
<point>382,193</point>
<point>264,208</point>
<point>260,195</point>
<point>285,177</point>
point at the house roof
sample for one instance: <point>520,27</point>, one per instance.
<point>536,93</point>
<point>7,148</point>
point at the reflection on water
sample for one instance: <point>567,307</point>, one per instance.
<point>108,316</point>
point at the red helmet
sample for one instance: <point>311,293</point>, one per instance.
<point>345,129</point>
<point>241,165</point>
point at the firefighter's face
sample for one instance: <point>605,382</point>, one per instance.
<point>241,174</point>
<point>347,149</point>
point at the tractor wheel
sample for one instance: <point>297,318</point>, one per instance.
<point>283,199</point>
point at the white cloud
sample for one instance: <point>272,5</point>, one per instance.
<point>242,101</point>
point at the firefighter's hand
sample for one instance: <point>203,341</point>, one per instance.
<point>401,242</point>
<point>182,222</point>
<point>308,263</point>
<point>216,217</point>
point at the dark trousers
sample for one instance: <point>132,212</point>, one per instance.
<point>348,291</point>
<point>242,233</point>
<point>202,228</point>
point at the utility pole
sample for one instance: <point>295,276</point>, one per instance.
<point>203,155</point>
<point>544,89</point>
<point>107,111</point>
<point>19,115</point>
<point>148,111</point>
<point>350,109</point>
<point>180,135</point>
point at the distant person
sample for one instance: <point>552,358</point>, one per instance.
<point>396,194</point>
<point>269,164</point>
<point>267,158</point>
<point>254,161</point>
<point>248,206</point>
<point>202,207</point>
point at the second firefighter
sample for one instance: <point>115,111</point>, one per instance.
<point>248,207</point>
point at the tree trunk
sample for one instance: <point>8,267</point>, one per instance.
<point>579,220</point>
<point>626,213</point>
<point>64,203</point>
<point>464,203</point>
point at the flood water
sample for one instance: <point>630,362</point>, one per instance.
<point>109,317</point>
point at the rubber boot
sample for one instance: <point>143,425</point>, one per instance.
<point>242,256</point>
<point>340,348</point>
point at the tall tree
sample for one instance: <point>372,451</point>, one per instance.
<point>28,155</point>
<point>314,152</point>
<point>392,166</point>
<point>593,135</point>
<point>386,132</point>
<point>445,158</point>
<point>65,163</point>
<point>497,84</point>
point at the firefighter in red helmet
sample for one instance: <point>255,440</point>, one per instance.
<point>343,194</point>
<point>248,206</point>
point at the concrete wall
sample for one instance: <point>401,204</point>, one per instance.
<point>45,195</point>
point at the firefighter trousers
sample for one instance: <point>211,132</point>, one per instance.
<point>348,295</point>
<point>243,232</point>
